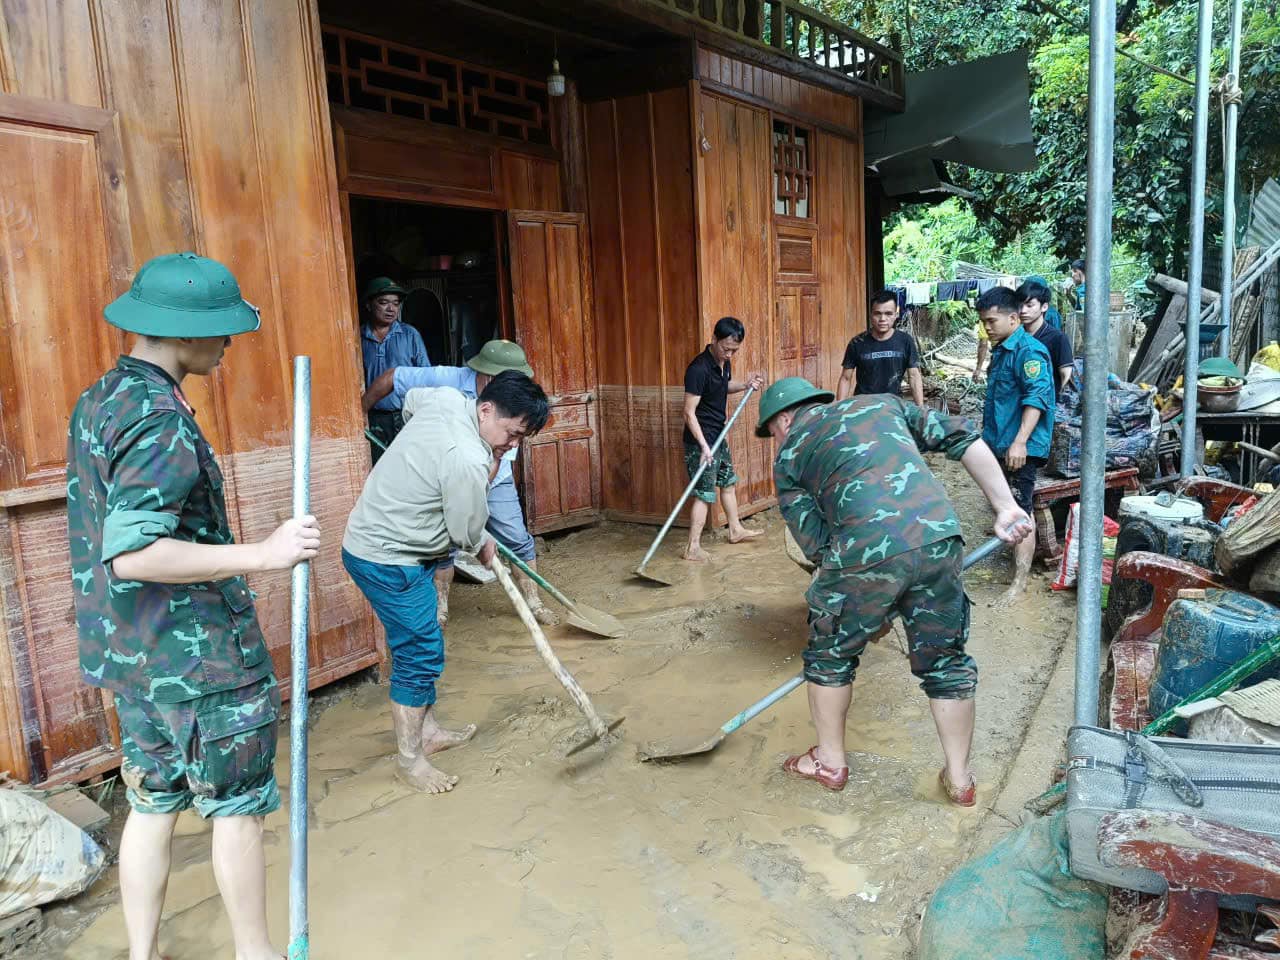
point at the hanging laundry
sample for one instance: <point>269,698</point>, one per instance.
<point>918,294</point>
<point>947,290</point>
<point>970,290</point>
<point>987,283</point>
<point>1011,282</point>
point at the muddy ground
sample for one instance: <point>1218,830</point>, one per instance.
<point>600,856</point>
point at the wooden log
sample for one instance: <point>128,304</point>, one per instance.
<point>1179,288</point>
<point>1240,547</point>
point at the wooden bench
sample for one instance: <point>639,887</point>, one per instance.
<point>1051,490</point>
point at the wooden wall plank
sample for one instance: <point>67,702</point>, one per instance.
<point>734,236</point>
<point>640,192</point>
<point>51,50</point>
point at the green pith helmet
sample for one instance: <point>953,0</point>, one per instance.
<point>183,295</point>
<point>499,355</point>
<point>1219,367</point>
<point>380,285</point>
<point>785,394</point>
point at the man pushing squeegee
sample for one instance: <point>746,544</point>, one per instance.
<point>863,505</point>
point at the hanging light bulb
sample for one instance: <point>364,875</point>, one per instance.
<point>555,82</point>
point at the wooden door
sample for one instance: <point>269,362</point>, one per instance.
<point>64,252</point>
<point>798,332</point>
<point>551,300</point>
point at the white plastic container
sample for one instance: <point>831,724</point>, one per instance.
<point>1164,507</point>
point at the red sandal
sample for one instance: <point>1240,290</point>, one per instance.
<point>833,778</point>
<point>966,797</point>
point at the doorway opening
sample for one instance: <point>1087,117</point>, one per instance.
<point>450,259</point>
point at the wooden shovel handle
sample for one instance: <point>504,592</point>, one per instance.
<point>544,649</point>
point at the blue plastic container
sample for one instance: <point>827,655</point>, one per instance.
<point>1202,639</point>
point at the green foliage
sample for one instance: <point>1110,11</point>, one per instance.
<point>1152,116</point>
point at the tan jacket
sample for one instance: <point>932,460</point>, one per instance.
<point>427,492</point>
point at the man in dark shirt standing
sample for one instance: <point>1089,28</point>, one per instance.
<point>876,359</point>
<point>707,384</point>
<point>1036,301</point>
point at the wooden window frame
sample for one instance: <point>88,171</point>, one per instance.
<point>793,168</point>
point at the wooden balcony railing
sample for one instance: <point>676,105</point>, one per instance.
<point>803,35</point>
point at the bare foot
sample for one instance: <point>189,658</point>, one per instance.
<point>436,738</point>
<point>422,776</point>
<point>696,555</point>
<point>1011,596</point>
<point>744,533</point>
<point>545,615</point>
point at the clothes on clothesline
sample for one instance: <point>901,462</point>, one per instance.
<point>919,294</point>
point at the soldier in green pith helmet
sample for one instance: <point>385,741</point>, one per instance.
<point>165,617</point>
<point>864,507</point>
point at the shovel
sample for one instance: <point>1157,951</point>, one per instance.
<point>677,749</point>
<point>640,571</point>
<point>580,615</point>
<point>599,728</point>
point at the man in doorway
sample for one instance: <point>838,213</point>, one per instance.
<point>165,617</point>
<point>708,384</point>
<point>1033,311</point>
<point>863,506</point>
<point>424,498</point>
<point>385,342</point>
<point>876,359</point>
<point>1017,421</point>
<point>506,519</point>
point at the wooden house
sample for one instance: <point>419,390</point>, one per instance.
<point>705,158</point>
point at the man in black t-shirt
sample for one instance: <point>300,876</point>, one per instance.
<point>875,361</point>
<point>1036,299</point>
<point>707,385</point>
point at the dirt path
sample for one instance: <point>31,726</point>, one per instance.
<point>600,856</point>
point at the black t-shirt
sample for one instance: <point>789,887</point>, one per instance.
<point>880,364</point>
<point>706,379</point>
<point>1060,353</point>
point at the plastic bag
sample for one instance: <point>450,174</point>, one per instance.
<point>43,855</point>
<point>1019,900</point>
<point>1133,427</point>
<point>1070,561</point>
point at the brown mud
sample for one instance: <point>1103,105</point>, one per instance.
<point>600,856</point>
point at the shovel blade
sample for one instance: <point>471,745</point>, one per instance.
<point>610,726</point>
<point>678,748</point>
<point>594,621</point>
<point>652,577</point>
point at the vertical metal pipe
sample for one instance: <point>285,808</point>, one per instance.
<point>299,934</point>
<point>1231,95</point>
<point>1093,450</point>
<point>1195,258</point>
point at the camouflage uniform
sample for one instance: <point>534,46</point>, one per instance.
<point>188,664</point>
<point>861,502</point>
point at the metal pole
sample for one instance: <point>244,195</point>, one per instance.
<point>1097,316</point>
<point>1231,94</point>
<point>1195,261</point>
<point>299,934</point>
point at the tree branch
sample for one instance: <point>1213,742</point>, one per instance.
<point>1030,6</point>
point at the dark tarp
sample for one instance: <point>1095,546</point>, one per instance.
<point>976,113</point>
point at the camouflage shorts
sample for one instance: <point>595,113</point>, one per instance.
<point>217,752</point>
<point>848,608</point>
<point>719,472</point>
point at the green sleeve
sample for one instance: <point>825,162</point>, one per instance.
<point>935,431</point>
<point>154,466</point>
<point>800,510</point>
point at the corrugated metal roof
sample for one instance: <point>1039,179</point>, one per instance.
<point>1264,218</point>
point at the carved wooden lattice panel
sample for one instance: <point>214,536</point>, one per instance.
<point>374,74</point>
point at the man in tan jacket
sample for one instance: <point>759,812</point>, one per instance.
<point>425,496</point>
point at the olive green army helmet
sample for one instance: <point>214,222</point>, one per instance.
<point>183,295</point>
<point>785,394</point>
<point>382,285</point>
<point>499,355</point>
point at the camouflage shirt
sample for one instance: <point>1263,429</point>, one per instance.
<point>853,486</point>
<point>139,469</point>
